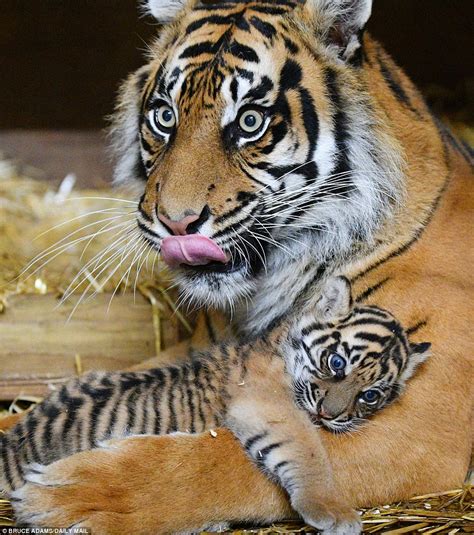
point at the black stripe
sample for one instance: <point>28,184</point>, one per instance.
<point>263,453</point>
<point>156,396</point>
<point>261,90</point>
<point>193,51</point>
<point>265,28</point>
<point>131,405</point>
<point>280,465</point>
<point>73,405</point>
<point>4,455</point>
<point>371,289</point>
<point>51,412</point>
<point>31,428</point>
<point>242,51</point>
<point>141,80</point>
<point>270,10</point>
<point>249,198</point>
<point>197,368</point>
<point>253,440</point>
<point>213,19</point>
<point>291,46</point>
<point>410,242</point>
<point>248,75</point>
<point>146,414</point>
<point>174,378</point>
<point>142,211</point>
<point>315,326</point>
<point>278,131</point>
<point>290,75</point>
<point>371,310</point>
<point>372,337</point>
<point>416,327</point>
<point>395,85</point>
<point>234,89</point>
<point>392,326</point>
<point>187,387</point>
<point>209,328</point>
<point>320,340</point>
<point>254,179</point>
<point>341,135</point>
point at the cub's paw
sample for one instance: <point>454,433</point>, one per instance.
<point>329,517</point>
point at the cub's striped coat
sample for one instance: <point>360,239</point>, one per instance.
<point>341,364</point>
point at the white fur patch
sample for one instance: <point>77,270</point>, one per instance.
<point>164,10</point>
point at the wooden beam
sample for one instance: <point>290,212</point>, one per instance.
<point>40,349</point>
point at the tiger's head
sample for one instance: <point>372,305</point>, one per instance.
<point>348,362</point>
<point>252,138</point>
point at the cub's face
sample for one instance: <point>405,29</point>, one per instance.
<point>241,133</point>
<point>346,372</point>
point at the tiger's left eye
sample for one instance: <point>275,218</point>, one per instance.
<point>370,396</point>
<point>250,121</point>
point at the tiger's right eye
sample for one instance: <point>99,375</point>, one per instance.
<point>162,119</point>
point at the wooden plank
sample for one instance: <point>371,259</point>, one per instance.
<point>56,153</point>
<point>38,347</point>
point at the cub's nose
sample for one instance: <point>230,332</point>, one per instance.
<point>325,413</point>
<point>189,224</point>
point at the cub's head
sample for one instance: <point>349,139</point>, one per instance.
<point>348,362</point>
<point>250,131</point>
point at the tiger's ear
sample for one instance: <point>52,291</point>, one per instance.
<point>340,24</point>
<point>335,300</point>
<point>164,10</point>
<point>418,354</point>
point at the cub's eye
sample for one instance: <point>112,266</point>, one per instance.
<point>337,363</point>
<point>162,118</point>
<point>250,121</point>
<point>370,396</point>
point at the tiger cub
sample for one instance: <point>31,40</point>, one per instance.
<point>339,363</point>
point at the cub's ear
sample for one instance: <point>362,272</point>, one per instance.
<point>418,354</point>
<point>335,299</point>
<point>340,24</point>
<point>164,10</point>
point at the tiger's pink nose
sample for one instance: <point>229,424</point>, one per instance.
<point>179,228</point>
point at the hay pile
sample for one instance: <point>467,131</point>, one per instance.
<point>444,513</point>
<point>49,238</point>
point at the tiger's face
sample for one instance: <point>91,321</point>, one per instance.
<point>251,138</point>
<point>352,364</point>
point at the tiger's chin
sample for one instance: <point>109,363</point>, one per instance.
<point>217,286</point>
<point>334,426</point>
<point>347,426</point>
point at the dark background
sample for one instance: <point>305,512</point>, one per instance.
<point>61,62</point>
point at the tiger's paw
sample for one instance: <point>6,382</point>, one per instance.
<point>329,518</point>
<point>85,490</point>
<point>109,489</point>
<point>123,486</point>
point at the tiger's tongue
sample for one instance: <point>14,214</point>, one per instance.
<point>192,250</point>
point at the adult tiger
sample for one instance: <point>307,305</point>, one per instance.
<point>278,142</point>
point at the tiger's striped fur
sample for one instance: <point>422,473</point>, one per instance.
<point>250,388</point>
